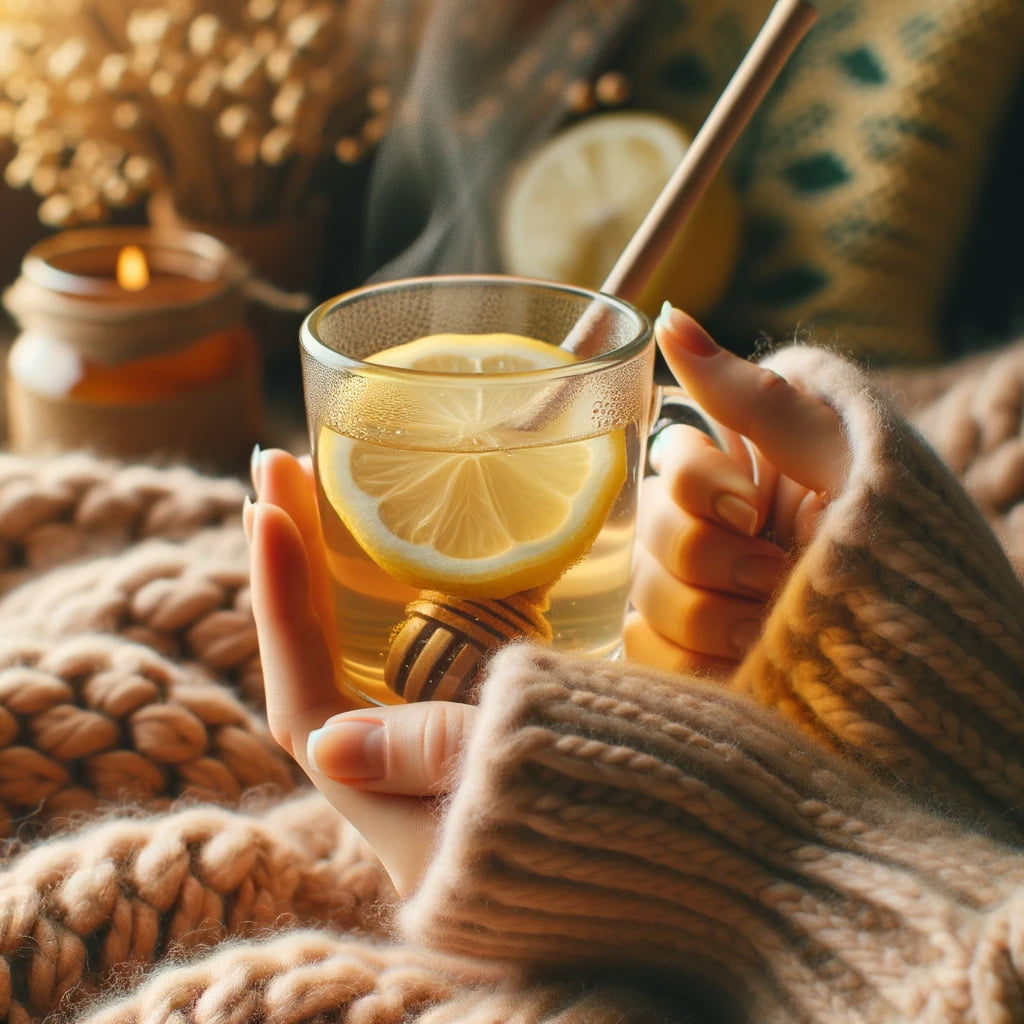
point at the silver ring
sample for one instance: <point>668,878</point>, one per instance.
<point>679,408</point>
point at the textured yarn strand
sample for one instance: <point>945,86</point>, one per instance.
<point>95,722</point>
<point>56,510</point>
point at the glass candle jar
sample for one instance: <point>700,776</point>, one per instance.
<point>133,344</point>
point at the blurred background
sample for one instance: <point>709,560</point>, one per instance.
<point>873,205</point>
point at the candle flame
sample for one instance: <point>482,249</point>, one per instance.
<point>132,269</point>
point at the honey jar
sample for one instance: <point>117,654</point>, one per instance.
<point>133,344</point>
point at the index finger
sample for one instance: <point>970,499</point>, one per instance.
<point>796,431</point>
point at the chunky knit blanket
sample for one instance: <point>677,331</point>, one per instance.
<point>836,834</point>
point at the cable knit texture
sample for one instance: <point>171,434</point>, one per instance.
<point>833,835</point>
<point>620,818</point>
<point>899,636</point>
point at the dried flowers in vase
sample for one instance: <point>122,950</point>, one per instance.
<point>237,110</point>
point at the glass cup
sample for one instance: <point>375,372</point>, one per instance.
<point>478,443</point>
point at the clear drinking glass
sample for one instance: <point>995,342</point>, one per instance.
<point>478,443</point>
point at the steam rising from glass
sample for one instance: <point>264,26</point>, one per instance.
<point>490,81</point>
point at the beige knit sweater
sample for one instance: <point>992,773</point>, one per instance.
<point>835,835</point>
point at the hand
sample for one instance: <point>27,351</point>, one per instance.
<point>380,767</point>
<point>715,525</point>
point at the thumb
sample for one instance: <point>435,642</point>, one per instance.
<point>794,430</point>
<point>407,749</point>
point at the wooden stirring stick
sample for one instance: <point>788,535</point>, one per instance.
<point>786,24</point>
<point>439,650</point>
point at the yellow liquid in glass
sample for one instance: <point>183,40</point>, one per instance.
<point>587,603</point>
<point>445,505</point>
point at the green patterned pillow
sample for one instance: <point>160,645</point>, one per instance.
<point>859,175</point>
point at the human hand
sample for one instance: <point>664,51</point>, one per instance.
<point>380,767</point>
<point>715,525</point>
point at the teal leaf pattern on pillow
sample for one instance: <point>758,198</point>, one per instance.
<point>863,66</point>
<point>790,286</point>
<point>861,170</point>
<point>817,173</point>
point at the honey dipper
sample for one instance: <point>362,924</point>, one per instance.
<point>440,649</point>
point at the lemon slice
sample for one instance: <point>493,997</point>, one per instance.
<point>480,521</point>
<point>574,203</point>
<point>474,353</point>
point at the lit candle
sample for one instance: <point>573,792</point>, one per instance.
<point>132,269</point>
<point>133,344</point>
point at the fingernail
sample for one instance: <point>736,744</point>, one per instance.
<point>664,315</point>
<point>758,574</point>
<point>737,513</point>
<point>743,635</point>
<point>349,749</point>
<point>248,511</point>
<point>256,468</point>
<point>686,331</point>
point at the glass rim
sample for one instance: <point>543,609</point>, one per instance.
<point>334,360</point>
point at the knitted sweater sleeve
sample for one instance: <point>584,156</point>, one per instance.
<point>625,819</point>
<point>898,637</point>
<point>610,814</point>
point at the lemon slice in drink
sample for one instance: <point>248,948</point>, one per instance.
<point>480,521</point>
<point>573,204</point>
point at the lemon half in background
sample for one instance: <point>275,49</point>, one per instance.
<point>480,521</point>
<point>572,206</point>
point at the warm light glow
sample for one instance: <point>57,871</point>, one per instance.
<point>132,269</point>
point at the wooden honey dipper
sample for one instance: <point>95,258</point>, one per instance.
<point>440,649</point>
